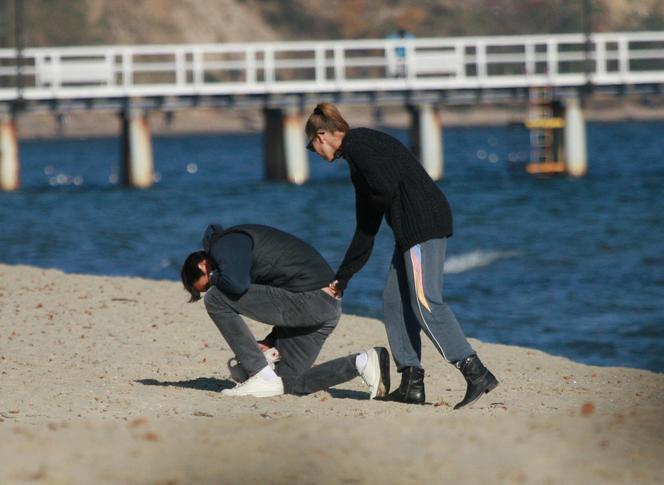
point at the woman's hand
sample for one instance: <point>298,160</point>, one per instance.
<point>264,345</point>
<point>335,290</point>
<point>330,292</point>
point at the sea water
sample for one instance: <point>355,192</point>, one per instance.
<point>574,267</point>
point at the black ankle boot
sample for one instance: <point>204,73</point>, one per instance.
<point>411,389</point>
<point>478,377</point>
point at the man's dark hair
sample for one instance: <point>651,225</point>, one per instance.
<point>191,273</point>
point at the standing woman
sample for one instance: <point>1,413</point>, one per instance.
<point>390,182</point>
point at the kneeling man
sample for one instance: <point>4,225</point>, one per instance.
<point>275,278</point>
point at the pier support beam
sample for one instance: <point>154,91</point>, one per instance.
<point>9,164</point>
<point>426,135</point>
<point>576,157</point>
<point>284,144</point>
<point>137,166</point>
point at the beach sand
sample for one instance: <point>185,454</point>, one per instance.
<point>118,380</point>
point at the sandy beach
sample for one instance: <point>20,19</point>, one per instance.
<point>118,380</point>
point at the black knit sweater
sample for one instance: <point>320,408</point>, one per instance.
<point>390,182</point>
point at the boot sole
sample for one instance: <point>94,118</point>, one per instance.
<point>404,401</point>
<point>384,362</point>
<point>490,387</point>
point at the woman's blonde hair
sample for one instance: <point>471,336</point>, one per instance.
<point>326,117</point>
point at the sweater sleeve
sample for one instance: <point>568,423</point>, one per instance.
<point>232,255</point>
<point>357,254</point>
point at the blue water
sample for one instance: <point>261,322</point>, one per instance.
<point>574,267</point>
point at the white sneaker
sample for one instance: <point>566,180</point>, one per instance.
<point>238,374</point>
<point>257,386</point>
<point>376,373</point>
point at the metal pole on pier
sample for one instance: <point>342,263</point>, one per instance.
<point>18,40</point>
<point>587,47</point>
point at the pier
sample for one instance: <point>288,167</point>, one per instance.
<point>286,79</point>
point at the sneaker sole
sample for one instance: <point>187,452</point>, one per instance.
<point>254,394</point>
<point>384,364</point>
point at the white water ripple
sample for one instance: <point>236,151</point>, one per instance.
<point>475,259</point>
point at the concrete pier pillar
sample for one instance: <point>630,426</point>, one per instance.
<point>426,136</point>
<point>284,144</point>
<point>576,156</point>
<point>137,166</point>
<point>9,163</point>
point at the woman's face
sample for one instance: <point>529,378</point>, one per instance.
<point>326,144</point>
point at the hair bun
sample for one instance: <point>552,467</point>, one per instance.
<point>325,117</point>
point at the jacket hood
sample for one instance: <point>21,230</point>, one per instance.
<point>211,230</point>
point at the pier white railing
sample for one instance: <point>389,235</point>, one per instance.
<point>331,66</point>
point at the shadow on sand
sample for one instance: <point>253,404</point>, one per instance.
<point>202,383</point>
<point>348,394</point>
<point>217,385</point>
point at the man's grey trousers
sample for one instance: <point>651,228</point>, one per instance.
<point>302,322</point>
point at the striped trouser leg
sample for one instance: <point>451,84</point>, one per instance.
<point>424,265</point>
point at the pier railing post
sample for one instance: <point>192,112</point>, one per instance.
<point>426,136</point>
<point>575,139</point>
<point>284,146</point>
<point>9,161</point>
<point>137,165</point>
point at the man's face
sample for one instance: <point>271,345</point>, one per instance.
<point>203,283</point>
